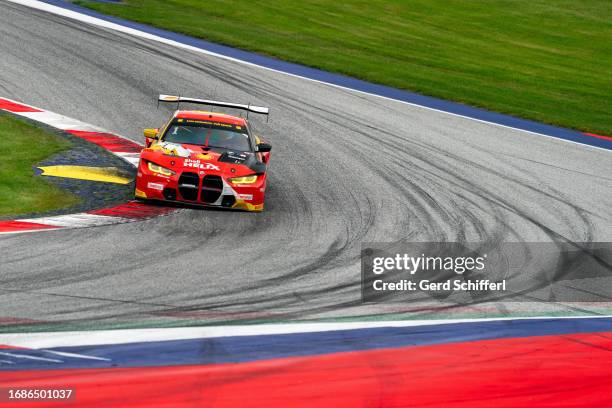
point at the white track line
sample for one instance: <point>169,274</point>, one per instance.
<point>79,220</point>
<point>75,355</point>
<point>124,336</point>
<point>132,158</point>
<point>27,357</point>
<point>59,121</point>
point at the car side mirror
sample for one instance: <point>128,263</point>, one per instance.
<point>263,147</point>
<point>150,135</point>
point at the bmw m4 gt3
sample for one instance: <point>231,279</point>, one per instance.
<point>204,158</point>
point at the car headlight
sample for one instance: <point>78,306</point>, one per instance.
<point>160,170</point>
<point>244,179</point>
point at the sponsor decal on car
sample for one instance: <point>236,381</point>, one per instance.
<point>171,149</point>
<point>234,157</point>
<point>197,164</point>
<point>211,123</point>
<point>246,197</point>
<point>155,186</point>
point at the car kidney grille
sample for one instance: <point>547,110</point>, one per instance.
<point>212,186</point>
<point>188,185</point>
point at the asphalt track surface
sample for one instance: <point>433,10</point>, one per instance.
<point>346,168</point>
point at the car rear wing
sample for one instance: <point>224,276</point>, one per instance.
<point>249,108</point>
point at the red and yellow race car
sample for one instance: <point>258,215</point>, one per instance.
<point>204,158</point>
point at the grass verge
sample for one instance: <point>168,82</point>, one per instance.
<point>547,60</point>
<point>21,191</point>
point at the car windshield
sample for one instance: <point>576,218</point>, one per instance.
<point>209,134</point>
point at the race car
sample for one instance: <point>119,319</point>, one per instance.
<point>204,158</point>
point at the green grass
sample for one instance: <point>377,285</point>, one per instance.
<point>547,60</point>
<point>21,192</point>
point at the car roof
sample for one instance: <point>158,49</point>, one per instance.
<point>213,116</point>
